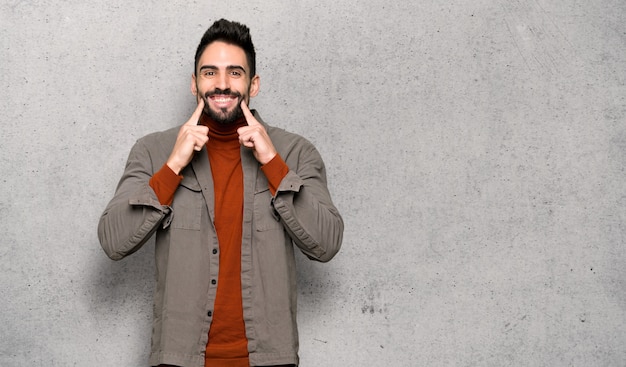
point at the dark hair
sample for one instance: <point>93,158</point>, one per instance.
<point>232,33</point>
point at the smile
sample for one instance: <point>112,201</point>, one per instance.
<point>223,101</point>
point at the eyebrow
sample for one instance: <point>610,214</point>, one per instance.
<point>229,67</point>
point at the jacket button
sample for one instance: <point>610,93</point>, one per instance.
<point>209,313</point>
<point>214,251</point>
<point>213,281</point>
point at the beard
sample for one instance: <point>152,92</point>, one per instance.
<point>222,115</point>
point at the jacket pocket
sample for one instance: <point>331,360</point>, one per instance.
<point>187,207</point>
<point>264,218</point>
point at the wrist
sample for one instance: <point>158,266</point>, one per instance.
<point>174,167</point>
<point>268,158</point>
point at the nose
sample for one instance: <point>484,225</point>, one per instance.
<point>221,81</point>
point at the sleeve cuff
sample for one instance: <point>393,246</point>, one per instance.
<point>165,183</point>
<point>275,170</point>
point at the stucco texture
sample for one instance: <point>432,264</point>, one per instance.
<point>476,150</point>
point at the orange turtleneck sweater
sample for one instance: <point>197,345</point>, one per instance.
<point>228,345</point>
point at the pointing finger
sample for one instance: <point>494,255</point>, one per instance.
<point>195,117</point>
<point>248,114</point>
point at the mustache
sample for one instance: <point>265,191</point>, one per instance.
<point>222,92</point>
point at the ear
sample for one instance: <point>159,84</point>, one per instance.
<point>194,87</point>
<point>255,84</point>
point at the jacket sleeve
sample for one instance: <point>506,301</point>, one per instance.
<point>134,213</point>
<point>305,208</point>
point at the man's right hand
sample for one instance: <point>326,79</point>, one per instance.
<point>191,138</point>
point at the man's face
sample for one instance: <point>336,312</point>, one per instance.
<point>222,79</point>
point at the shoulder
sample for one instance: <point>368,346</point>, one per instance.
<point>297,151</point>
<point>160,141</point>
<point>159,137</point>
<point>283,139</point>
<point>155,146</point>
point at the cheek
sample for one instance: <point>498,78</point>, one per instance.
<point>241,86</point>
<point>202,86</point>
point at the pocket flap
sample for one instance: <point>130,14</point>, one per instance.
<point>191,183</point>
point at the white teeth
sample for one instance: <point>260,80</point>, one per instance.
<point>222,100</point>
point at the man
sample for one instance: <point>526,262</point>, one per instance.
<point>227,196</point>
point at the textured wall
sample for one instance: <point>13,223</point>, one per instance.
<point>476,150</point>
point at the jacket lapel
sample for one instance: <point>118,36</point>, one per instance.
<point>201,169</point>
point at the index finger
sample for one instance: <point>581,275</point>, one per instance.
<point>248,114</point>
<point>195,116</point>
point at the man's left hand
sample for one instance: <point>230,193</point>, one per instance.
<point>255,137</point>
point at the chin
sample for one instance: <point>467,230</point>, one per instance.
<point>225,117</point>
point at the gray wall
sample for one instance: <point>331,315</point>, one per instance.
<point>476,150</point>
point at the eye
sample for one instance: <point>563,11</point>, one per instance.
<point>208,73</point>
<point>235,73</point>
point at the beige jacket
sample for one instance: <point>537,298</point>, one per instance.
<point>187,259</point>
